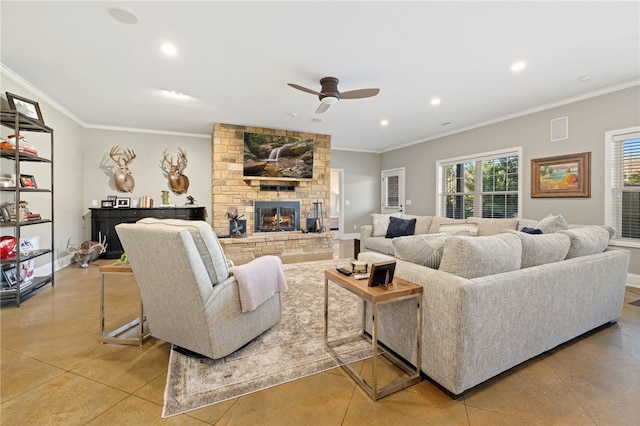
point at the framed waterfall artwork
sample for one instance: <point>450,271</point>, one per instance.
<point>561,176</point>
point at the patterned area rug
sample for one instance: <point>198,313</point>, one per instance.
<point>292,349</point>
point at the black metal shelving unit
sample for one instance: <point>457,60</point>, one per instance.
<point>20,123</point>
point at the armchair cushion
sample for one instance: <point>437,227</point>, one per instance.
<point>206,242</point>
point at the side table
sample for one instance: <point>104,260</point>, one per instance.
<point>115,336</point>
<point>398,290</point>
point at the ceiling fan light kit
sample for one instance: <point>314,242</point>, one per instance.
<point>329,93</point>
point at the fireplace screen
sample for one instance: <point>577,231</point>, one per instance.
<point>276,216</point>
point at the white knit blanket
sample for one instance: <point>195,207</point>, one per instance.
<point>258,280</point>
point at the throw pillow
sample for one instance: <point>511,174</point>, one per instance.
<point>438,221</point>
<point>551,223</point>
<point>424,249</point>
<point>380,224</point>
<point>472,257</point>
<point>586,240</point>
<point>400,227</point>
<point>543,248</point>
<point>423,223</point>
<point>531,230</point>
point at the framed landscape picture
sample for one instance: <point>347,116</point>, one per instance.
<point>561,176</point>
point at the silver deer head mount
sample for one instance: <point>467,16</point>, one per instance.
<point>178,182</point>
<point>122,158</point>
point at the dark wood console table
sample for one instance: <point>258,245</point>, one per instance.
<point>104,221</point>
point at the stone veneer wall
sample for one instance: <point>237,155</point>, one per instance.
<point>230,189</point>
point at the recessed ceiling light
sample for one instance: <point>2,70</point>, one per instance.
<point>169,49</point>
<point>175,94</point>
<point>518,66</point>
<point>123,15</point>
<point>584,78</point>
<point>384,123</point>
<point>293,114</point>
<point>435,101</point>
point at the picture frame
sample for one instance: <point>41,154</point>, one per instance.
<point>123,202</point>
<point>25,106</point>
<point>10,276</point>
<point>106,204</point>
<point>28,181</point>
<point>381,274</point>
<point>112,198</point>
<point>561,176</point>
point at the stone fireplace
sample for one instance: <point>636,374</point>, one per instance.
<point>231,190</point>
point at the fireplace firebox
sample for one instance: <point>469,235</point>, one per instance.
<point>272,216</point>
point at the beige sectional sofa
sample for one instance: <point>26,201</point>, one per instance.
<point>499,298</point>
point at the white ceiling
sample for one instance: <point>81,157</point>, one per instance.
<point>235,59</point>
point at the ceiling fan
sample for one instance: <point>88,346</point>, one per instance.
<point>329,93</point>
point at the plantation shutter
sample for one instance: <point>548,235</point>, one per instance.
<point>625,184</point>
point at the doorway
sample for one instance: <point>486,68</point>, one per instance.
<point>392,187</point>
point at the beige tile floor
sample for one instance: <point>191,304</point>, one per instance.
<point>54,371</point>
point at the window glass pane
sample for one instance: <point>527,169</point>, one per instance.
<point>393,188</point>
<point>631,162</point>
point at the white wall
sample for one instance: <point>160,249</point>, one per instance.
<point>68,173</point>
<point>145,168</point>
<point>361,188</point>
<point>588,121</point>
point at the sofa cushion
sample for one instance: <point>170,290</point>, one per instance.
<point>551,223</point>
<point>379,244</point>
<point>400,227</point>
<point>424,249</point>
<point>206,243</point>
<point>471,257</point>
<point>381,223</point>
<point>586,240</point>
<point>439,220</point>
<point>468,229</point>
<point>539,249</point>
<point>489,226</point>
<point>423,223</point>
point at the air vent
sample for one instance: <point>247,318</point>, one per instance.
<point>278,188</point>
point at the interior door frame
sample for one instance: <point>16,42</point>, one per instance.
<point>340,232</point>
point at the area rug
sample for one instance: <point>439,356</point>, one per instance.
<point>292,349</point>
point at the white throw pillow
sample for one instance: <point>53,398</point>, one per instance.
<point>550,224</point>
<point>470,229</point>
<point>381,223</point>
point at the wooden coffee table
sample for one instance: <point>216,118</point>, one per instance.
<point>395,292</point>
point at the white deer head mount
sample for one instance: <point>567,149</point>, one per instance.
<point>178,182</point>
<point>124,180</point>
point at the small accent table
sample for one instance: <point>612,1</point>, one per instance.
<point>139,322</point>
<point>398,290</point>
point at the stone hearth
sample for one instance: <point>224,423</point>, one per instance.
<point>282,244</point>
<point>230,189</point>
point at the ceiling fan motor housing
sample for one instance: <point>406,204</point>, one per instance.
<point>330,93</point>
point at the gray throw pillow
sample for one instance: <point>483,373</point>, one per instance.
<point>423,249</point>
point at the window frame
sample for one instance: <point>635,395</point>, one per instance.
<point>490,155</point>
<point>609,181</point>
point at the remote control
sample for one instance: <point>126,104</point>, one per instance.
<point>361,276</point>
<point>344,271</point>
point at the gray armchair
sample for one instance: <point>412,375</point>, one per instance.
<point>189,297</point>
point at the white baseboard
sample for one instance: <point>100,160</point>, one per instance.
<point>350,236</point>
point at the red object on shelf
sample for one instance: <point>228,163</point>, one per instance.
<point>8,246</point>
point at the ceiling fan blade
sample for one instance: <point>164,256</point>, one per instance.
<point>304,89</point>
<point>360,93</point>
<point>322,108</point>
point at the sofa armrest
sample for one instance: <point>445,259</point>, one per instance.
<point>366,231</point>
